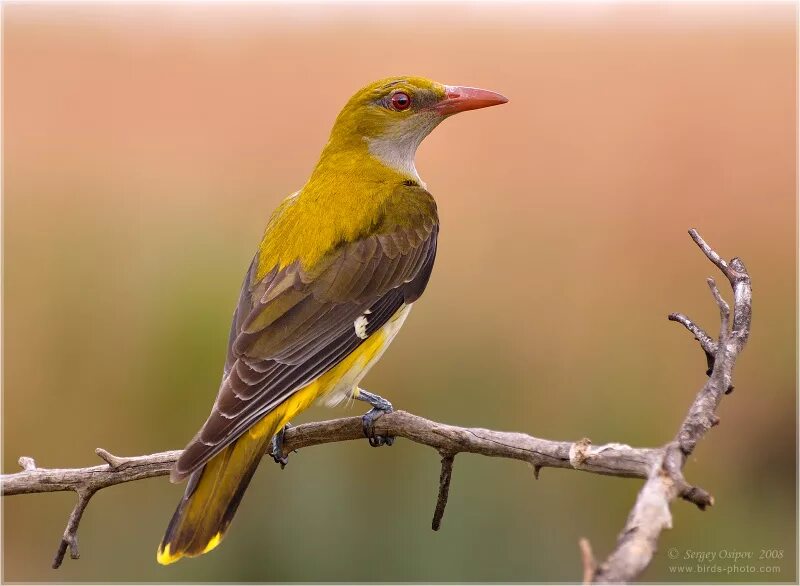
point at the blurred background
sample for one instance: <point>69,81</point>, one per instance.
<point>145,146</point>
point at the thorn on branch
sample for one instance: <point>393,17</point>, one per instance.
<point>115,462</point>
<point>444,489</point>
<point>27,463</point>
<point>710,361</point>
<point>697,496</point>
<point>693,494</point>
<point>536,470</point>
<point>589,563</point>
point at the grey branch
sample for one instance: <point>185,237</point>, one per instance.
<point>661,467</point>
<point>638,541</point>
<point>448,440</point>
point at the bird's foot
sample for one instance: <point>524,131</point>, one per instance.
<point>379,407</point>
<point>276,447</point>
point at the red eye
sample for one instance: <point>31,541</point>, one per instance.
<point>400,101</point>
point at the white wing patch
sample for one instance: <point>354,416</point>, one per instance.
<point>360,325</point>
<point>344,387</point>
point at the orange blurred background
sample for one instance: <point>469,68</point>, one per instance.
<point>145,146</point>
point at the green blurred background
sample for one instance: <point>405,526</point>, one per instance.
<point>146,145</point>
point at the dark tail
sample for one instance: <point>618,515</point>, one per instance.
<point>213,495</point>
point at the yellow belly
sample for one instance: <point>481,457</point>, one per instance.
<point>337,383</point>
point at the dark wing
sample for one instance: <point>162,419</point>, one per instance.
<point>293,326</point>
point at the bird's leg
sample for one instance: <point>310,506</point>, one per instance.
<point>379,407</point>
<point>276,447</point>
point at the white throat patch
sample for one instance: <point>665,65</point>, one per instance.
<point>397,148</point>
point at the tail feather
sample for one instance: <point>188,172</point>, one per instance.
<point>213,495</point>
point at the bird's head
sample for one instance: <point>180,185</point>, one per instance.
<point>391,117</point>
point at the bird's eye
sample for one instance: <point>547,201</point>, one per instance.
<point>400,101</point>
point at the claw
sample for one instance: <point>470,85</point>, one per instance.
<point>276,447</point>
<point>379,407</point>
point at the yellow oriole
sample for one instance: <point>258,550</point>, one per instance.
<point>337,271</point>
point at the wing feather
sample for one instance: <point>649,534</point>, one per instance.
<point>294,325</point>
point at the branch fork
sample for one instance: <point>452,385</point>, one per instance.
<point>638,541</point>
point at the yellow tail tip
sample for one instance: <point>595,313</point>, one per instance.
<point>164,557</point>
<point>214,542</point>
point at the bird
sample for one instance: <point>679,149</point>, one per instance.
<point>339,267</point>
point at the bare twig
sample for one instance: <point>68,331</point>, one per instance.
<point>710,253</point>
<point>724,309</point>
<point>661,467</point>
<point>70,537</point>
<point>638,541</point>
<point>444,490</point>
<point>707,343</point>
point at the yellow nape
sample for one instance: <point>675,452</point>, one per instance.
<point>165,558</point>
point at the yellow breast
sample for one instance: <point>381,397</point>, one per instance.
<point>339,382</point>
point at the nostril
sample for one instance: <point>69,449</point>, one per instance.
<point>452,95</point>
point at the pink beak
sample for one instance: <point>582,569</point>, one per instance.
<point>460,99</point>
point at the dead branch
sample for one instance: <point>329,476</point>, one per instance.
<point>448,440</point>
<point>638,541</point>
